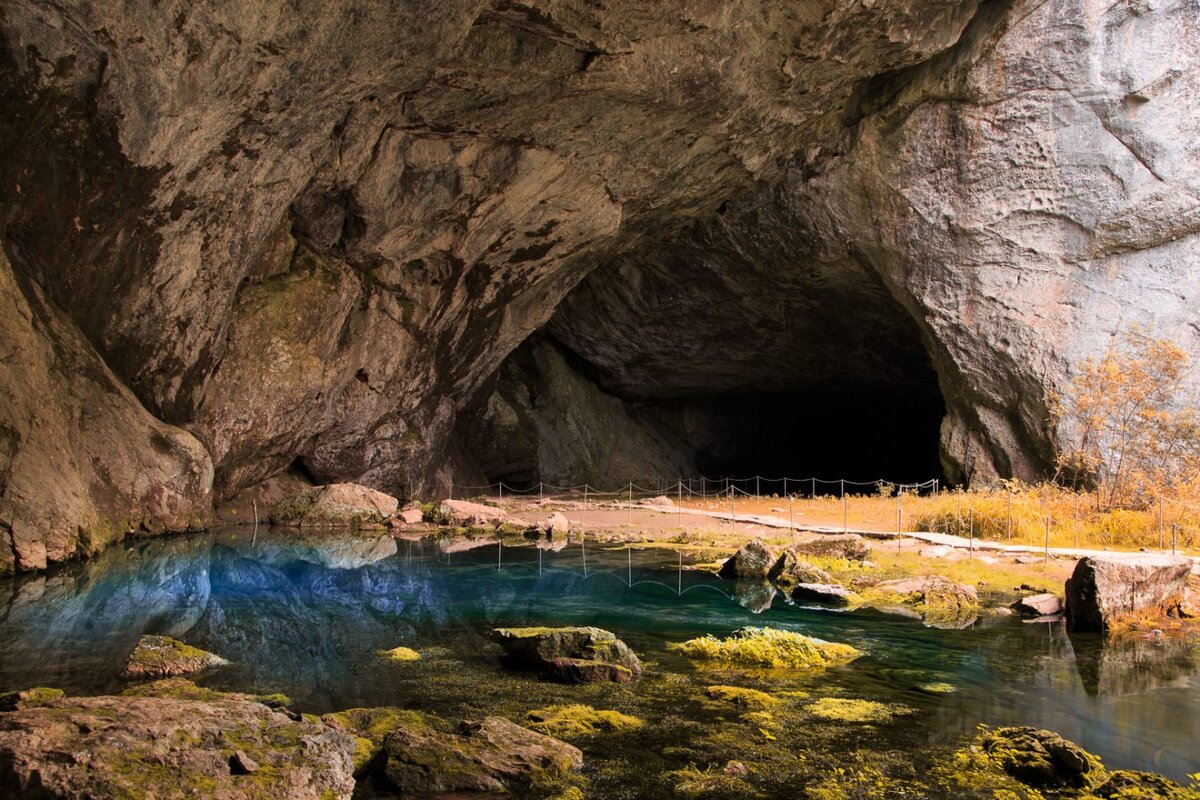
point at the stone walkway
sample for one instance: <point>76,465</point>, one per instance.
<point>942,539</point>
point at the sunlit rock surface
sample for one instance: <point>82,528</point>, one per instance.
<point>248,236</point>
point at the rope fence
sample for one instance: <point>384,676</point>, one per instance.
<point>1177,522</point>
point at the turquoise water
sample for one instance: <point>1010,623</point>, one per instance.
<point>305,616</point>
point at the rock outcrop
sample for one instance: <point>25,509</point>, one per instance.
<point>582,655</point>
<point>162,747</point>
<point>249,238</point>
<point>753,561</point>
<point>491,755</point>
<point>164,657</point>
<point>1102,591</point>
<point>337,505</point>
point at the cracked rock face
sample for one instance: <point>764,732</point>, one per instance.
<point>267,235</point>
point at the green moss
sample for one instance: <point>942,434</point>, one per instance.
<point>275,700</point>
<point>936,687</point>
<point>739,696</point>
<point>29,698</point>
<point>768,647</point>
<point>836,709</point>
<point>178,689</point>
<point>575,719</point>
<point>710,783</point>
<point>370,726</point>
<point>400,654</point>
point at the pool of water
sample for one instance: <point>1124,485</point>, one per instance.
<point>307,615</point>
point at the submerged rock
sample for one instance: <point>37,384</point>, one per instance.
<point>1103,590</point>
<point>493,755</point>
<point>579,720</point>
<point>164,657</point>
<point>767,647</point>
<point>142,747</point>
<point>1038,605</point>
<point>753,560</point>
<point>938,601</point>
<point>335,505</point>
<point>581,654</point>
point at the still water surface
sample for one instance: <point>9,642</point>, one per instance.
<point>306,616</point>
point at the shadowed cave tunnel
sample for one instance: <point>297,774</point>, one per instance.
<point>709,356</point>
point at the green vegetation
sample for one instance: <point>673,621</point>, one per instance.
<point>837,709</point>
<point>576,719</point>
<point>400,654</point>
<point>767,647</point>
<point>370,726</point>
<point>739,696</point>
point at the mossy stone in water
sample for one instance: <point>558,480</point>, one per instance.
<point>164,657</point>
<point>740,696</point>
<point>576,719</point>
<point>768,647</point>
<point>370,726</point>
<point>493,755</point>
<point>583,654</point>
<point>1041,759</point>
<point>838,709</point>
<point>936,687</point>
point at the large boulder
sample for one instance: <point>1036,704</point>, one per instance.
<point>1103,589</point>
<point>493,755</point>
<point>940,602</point>
<point>336,505</point>
<point>158,747</point>
<point>164,657</point>
<point>582,654</point>
<point>752,561</point>
<point>465,514</point>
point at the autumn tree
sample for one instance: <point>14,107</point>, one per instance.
<point>1131,436</point>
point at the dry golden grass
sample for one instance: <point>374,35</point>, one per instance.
<point>1015,514</point>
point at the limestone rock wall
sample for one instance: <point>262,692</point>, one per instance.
<point>310,234</point>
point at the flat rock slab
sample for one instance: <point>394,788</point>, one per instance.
<point>493,755</point>
<point>169,748</point>
<point>1038,605</point>
<point>582,654</point>
<point>828,593</point>
<point>164,657</point>
<point>1101,591</point>
<point>465,514</point>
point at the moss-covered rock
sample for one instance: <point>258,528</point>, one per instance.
<point>1041,759</point>
<point>164,657</point>
<point>579,720</point>
<point>1129,785</point>
<point>790,569</point>
<point>165,747</point>
<point>370,726</point>
<point>493,755</point>
<point>581,654</point>
<point>741,696</point>
<point>711,783</point>
<point>28,698</point>
<point>839,709</point>
<point>767,647</point>
<point>400,654</point>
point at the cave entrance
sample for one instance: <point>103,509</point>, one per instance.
<point>711,357</point>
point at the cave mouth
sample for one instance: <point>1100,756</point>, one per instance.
<point>720,354</point>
